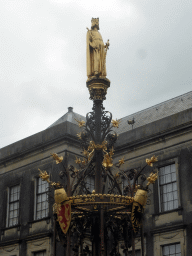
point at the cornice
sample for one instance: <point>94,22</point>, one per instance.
<point>153,138</point>
<point>168,228</point>
<point>40,147</point>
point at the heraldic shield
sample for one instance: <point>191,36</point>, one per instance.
<point>64,216</point>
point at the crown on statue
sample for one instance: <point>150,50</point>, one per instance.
<point>95,22</point>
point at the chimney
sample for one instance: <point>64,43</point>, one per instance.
<point>70,109</point>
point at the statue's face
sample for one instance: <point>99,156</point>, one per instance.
<point>95,23</point>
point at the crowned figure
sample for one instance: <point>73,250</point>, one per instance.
<point>96,51</point>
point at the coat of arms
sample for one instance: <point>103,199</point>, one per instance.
<point>64,216</point>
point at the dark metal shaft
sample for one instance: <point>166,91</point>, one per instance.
<point>54,234</point>
<point>102,232</point>
<point>69,243</point>
<point>98,173</point>
<point>133,243</point>
<point>99,241</point>
<point>142,240</point>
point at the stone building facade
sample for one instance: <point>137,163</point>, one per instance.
<point>164,130</point>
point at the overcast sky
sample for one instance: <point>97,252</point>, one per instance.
<point>43,58</point>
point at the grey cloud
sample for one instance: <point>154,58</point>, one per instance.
<point>149,59</point>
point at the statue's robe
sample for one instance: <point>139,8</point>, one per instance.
<point>96,54</point>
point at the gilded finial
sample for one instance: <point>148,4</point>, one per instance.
<point>85,152</point>
<point>44,176</point>
<point>78,161</point>
<point>121,161</point>
<point>57,158</point>
<point>111,152</point>
<point>76,170</point>
<point>107,161</point>
<point>84,161</point>
<point>151,161</point>
<point>115,123</point>
<point>79,135</point>
<point>152,178</point>
<point>81,123</point>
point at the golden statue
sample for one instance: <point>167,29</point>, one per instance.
<point>96,51</point>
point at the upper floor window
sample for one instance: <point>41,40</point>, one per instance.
<point>13,206</point>
<point>124,185</point>
<point>168,188</point>
<point>171,250</point>
<point>127,185</point>
<point>90,183</point>
<point>137,253</point>
<point>41,204</point>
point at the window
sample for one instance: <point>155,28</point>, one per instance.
<point>13,206</point>
<point>90,183</point>
<point>41,210</point>
<point>168,188</point>
<point>171,250</point>
<point>124,184</point>
<point>40,253</point>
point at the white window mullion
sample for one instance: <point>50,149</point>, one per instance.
<point>168,188</point>
<point>41,204</point>
<point>171,250</point>
<point>13,206</point>
<point>35,199</point>
<point>7,219</point>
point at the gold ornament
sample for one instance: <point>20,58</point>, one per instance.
<point>57,158</point>
<point>151,161</point>
<point>84,162</point>
<point>107,161</point>
<point>81,123</point>
<point>78,161</point>
<point>85,152</point>
<point>115,123</point>
<point>96,51</point>
<point>152,178</point>
<point>60,195</point>
<point>79,135</point>
<point>111,152</point>
<point>121,161</point>
<point>76,170</point>
<point>44,176</point>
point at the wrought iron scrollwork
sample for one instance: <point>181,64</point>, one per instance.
<point>106,118</point>
<point>111,139</point>
<point>90,123</point>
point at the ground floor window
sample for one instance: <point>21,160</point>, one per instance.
<point>40,253</point>
<point>171,250</point>
<point>137,253</point>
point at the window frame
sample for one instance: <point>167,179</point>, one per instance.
<point>170,237</point>
<point>35,200</point>
<point>41,251</point>
<point>163,245</point>
<point>164,163</point>
<point>38,245</point>
<point>8,205</point>
<point>90,177</point>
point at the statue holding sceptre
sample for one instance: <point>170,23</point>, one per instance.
<point>96,51</point>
